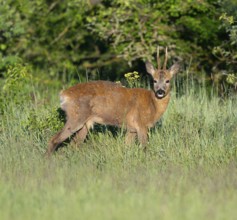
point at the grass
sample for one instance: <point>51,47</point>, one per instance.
<point>188,171</point>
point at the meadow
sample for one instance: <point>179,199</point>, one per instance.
<point>189,170</point>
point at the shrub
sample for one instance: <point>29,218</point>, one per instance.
<point>44,121</point>
<point>17,86</point>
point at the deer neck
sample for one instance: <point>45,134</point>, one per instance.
<point>160,105</point>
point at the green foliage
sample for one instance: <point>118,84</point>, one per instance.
<point>132,79</point>
<point>226,53</point>
<point>16,87</point>
<point>105,39</point>
<point>43,122</point>
<point>49,34</point>
<point>15,77</point>
<point>130,29</point>
<point>12,27</point>
<point>135,28</point>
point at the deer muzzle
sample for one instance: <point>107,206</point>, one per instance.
<point>160,93</point>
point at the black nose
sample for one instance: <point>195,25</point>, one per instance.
<point>160,92</point>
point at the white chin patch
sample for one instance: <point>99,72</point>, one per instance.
<point>160,95</point>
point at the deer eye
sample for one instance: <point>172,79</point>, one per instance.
<point>167,81</point>
<point>154,81</point>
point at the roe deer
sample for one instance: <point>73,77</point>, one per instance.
<point>108,103</point>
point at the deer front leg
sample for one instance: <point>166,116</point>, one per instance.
<point>142,137</point>
<point>130,137</point>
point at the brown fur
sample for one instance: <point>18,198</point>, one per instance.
<point>108,103</point>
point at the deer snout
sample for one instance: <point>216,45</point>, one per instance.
<point>160,93</point>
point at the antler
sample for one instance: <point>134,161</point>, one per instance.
<point>158,57</point>
<point>166,57</point>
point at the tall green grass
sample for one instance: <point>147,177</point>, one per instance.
<point>189,170</point>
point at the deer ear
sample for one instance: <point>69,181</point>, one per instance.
<point>150,68</point>
<point>174,69</point>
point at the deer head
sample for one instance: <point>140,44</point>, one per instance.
<point>161,76</point>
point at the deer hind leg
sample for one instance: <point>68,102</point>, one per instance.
<point>70,127</point>
<point>82,133</point>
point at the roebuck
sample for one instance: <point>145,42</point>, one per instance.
<point>108,103</point>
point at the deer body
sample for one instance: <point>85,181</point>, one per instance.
<point>111,104</point>
<point>108,103</point>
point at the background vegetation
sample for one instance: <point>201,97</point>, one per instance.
<point>189,169</point>
<point>105,39</point>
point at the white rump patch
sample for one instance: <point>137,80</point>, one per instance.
<point>63,101</point>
